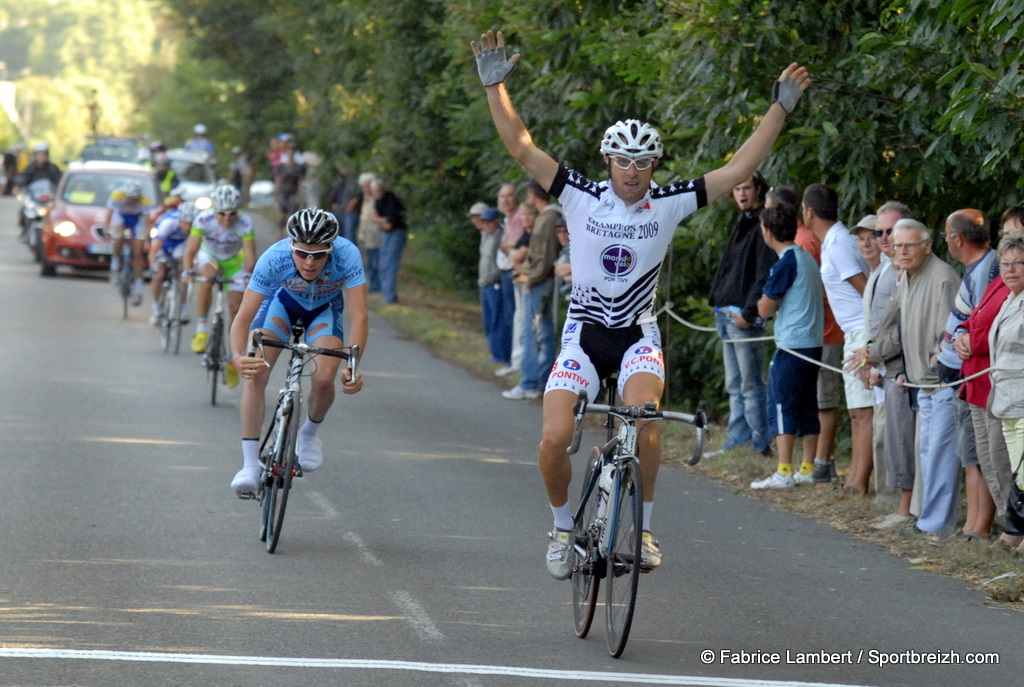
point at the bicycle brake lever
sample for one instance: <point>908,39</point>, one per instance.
<point>577,433</point>
<point>700,421</point>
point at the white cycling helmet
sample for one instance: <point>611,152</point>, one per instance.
<point>632,139</point>
<point>226,198</point>
<point>187,212</point>
<point>312,226</point>
<point>132,190</point>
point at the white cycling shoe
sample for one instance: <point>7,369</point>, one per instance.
<point>245,480</point>
<point>310,452</point>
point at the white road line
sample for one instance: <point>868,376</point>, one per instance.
<point>451,668</point>
<point>323,504</point>
<point>364,549</point>
<point>421,622</point>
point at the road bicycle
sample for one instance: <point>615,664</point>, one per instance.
<point>279,464</point>
<point>215,357</point>
<point>608,522</point>
<point>169,313</point>
<point>125,275</point>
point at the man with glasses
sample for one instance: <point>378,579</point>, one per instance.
<point>219,243</point>
<point>307,276</point>
<point>620,230</point>
<point>925,296</point>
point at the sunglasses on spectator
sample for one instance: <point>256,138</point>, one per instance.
<point>624,162</point>
<point>314,254</point>
<point>879,233</point>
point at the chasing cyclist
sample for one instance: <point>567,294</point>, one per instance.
<point>128,212</point>
<point>221,242</point>
<point>308,275</point>
<point>172,230</point>
<point>620,231</point>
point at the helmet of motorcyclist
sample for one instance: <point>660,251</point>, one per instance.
<point>40,148</point>
<point>226,198</point>
<point>312,226</point>
<point>632,139</point>
<point>199,129</point>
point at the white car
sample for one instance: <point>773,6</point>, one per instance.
<point>197,175</point>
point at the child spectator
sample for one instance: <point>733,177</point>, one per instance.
<point>794,292</point>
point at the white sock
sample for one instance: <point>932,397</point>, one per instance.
<point>309,428</point>
<point>563,516</point>
<point>250,453</point>
<point>201,325</point>
<point>648,507</point>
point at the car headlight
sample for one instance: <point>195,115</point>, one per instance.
<point>65,229</point>
<point>203,203</point>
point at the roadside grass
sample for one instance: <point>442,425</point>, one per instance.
<point>449,324</point>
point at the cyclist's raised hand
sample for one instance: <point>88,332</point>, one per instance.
<point>349,385</point>
<point>791,84</point>
<point>491,61</point>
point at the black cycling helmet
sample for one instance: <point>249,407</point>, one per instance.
<point>312,226</point>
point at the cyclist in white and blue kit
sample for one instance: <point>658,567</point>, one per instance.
<point>168,244</point>
<point>311,275</point>
<point>620,230</point>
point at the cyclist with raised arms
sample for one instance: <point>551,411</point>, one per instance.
<point>221,241</point>
<point>620,230</point>
<point>172,230</point>
<point>308,276</point>
<point>128,213</point>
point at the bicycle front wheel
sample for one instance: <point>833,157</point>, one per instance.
<point>585,559</point>
<point>174,318</point>
<point>164,315</point>
<point>125,284</point>
<point>624,557</point>
<point>214,363</point>
<point>282,482</point>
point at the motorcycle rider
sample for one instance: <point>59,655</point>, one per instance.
<point>39,168</point>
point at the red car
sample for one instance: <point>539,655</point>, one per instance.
<point>73,233</point>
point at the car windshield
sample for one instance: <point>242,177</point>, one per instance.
<point>91,188</point>
<point>113,152</point>
<point>191,171</point>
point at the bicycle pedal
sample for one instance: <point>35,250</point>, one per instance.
<point>245,495</point>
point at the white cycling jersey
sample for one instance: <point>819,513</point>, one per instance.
<point>218,242</point>
<point>618,250</point>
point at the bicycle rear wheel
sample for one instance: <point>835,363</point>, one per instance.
<point>623,572</point>
<point>585,560</point>
<point>282,482</point>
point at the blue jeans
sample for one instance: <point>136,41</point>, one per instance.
<point>744,382</point>
<point>350,226</point>
<point>373,270</point>
<point>538,337</point>
<point>392,243</point>
<point>497,322</point>
<point>940,467</point>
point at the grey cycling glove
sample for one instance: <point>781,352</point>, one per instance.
<point>493,66</point>
<point>786,93</point>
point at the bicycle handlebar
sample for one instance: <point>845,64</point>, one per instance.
<point>632,413</point>
<point>351,355</point>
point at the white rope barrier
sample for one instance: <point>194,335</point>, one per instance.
<point>667,309</point>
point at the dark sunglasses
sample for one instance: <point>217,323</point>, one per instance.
<point>879,234</point>
<point>227,214</point>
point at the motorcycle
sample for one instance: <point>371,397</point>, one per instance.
<point>36,203</point>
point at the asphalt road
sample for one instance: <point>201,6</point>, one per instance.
<point>413,557</point>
